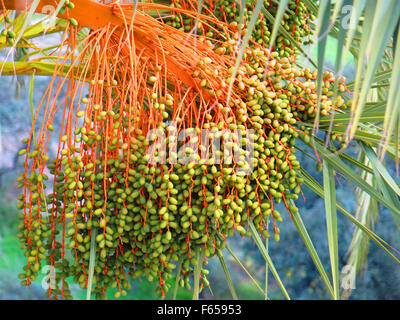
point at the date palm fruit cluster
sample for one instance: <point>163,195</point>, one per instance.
<point>8,34</point>
<point>297,21</point>
<point>138,188</point>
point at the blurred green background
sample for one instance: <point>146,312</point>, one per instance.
<point>379,278</point>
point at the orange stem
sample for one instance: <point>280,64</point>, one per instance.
<point>89,13</point>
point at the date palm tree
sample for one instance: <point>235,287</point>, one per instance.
<point>366,30</point>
